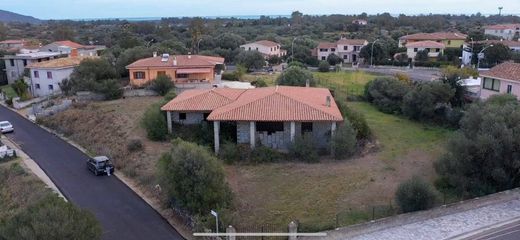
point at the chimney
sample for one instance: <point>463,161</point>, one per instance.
<point>165,57</point>
<point>174,60</point>
<point>327,101</point>
<point>73,52</point>
<point>154,54</point>
<point>307,83</point>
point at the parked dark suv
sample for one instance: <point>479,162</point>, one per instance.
<point>100,165</point>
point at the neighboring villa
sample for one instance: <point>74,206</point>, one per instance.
<point>361,22</point>
<point>501,79</point>
<point>193,69</point>
<point>15,64</point>
<point>449,39</point>
<point>504,31</point>
<point>433,48</point>
<point>346,49</point>
<point>66,47</point>
<point>266,48</point>
<point>11,44</point>
<point>271,116</point>
<point>46,76</point>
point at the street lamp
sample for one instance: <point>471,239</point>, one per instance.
<point>372,54</point>
<point>292,48</point>
<point>198,45</point>
<point>479,56</point>
<point>215,214</point>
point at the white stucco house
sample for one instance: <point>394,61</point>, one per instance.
<point>15,64</point>
<point>346,49</point>
<point>46,76</point>
<point>504,31</point>
<point>266,48</point>
<point>66,47</point>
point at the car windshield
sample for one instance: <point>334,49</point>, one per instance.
<point>4,124</point>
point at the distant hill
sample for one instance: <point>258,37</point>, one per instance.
<point>6,16</point>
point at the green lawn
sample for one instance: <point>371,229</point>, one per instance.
<point>344,83</point>
<point>10,93</point>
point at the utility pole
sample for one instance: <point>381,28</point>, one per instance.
<point>500,11</point>
<point>372,54</point>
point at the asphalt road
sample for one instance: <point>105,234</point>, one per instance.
<point>507,232</point>
<point>123,214</point>
<point>416,74</point>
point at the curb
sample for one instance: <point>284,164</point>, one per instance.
<point>117,175</point>
<point>468,235</point>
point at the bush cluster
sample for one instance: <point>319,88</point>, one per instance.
<point>415,195</point>
<point>154,122</point>
<point>386,94</point>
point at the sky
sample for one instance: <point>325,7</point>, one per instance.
<point>84,9</point>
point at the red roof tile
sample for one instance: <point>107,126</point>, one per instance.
<point>267,43</point>
<point>508,71</point>
<point>435,36</point>
<point>202,99</point>
<point>345,41</point>
<point>12,41</point>
<point>182,61</point>
<point>68,43</point>
<point>425,44</point>
<point>327,45</point>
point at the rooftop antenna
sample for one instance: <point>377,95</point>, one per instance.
<point>500,11</point>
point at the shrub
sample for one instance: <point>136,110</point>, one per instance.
<point>170,95</point>
<point>110,89</point>
<point>154,122</point>
<point>96,75</point>
<point>229,153</point>
<point>403,77</point>
<point>296,76</point>
<point>263,154</point>
<point>304,149</point>
<point>324,66</point>
<point>482,157</point>
<point>415,195</point>
<point>162,84</point>
<point>428,101</point>
<point>20,87</point>
<point>358,121</point>
<point>297,64</point>
<point>51,218</point>
<point>386,94</point>
<point>230,76</point>
<point>193,178</point>
<point>134,145</point>
<point>334,59</point>
<point>344,141</point>
<point>259,83</point>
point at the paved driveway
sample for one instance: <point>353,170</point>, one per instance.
<point>123,215</point>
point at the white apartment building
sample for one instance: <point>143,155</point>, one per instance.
<point>265,47</point>
<point>346,49</point>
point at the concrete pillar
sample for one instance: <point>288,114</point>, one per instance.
<point>216,132</point>
<point>332,132</point>
<point>231,230</point>
<point>293,230</point>
<point>169,119</point>
<point>252,134</point>
<point>293,130</point>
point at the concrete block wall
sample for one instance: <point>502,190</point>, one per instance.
<point>191,118</point>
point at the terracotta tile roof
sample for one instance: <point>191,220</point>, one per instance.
<point>68,43</point>
<point>12,41</point>
<point>327,45</point>
<point>59,63</point>
<point>425,44</point>
<point>502,26</point>
<point>345,41</point>
<point>267,43</point>
<point>508,71</point>
<point>202,99</point>
<point>435,36</point>
<point>182,61</point>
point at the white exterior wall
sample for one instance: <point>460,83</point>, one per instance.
<point>432,54</point>
<point>506,34</point>
<point>57,77</point>
<point>346,55</point>
<point>269,51</point>
<point>191,118</point>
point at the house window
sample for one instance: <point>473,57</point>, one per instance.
<point>345,47</point>
<point>449,42</point>
<point>323,58</point>
<point>269,127</point>
<point>306,127</point>
<point>182,116</point>
<point>509,89</point>
<point>161,73</point>
<point>37,86</point>
<point>492,84</point>
<point>24,62</point>
<point>356,48</point>
<point>333,49</point>
<point>437,50</point>
<point>323,50</point>
<point>182,75</point>
<point>345,57</point>
<point>139,75</point>
<point>51,87</point>
<point>11,61</point>
<point>49,75</point>
<point>36,74</point>
<point>415,49</point>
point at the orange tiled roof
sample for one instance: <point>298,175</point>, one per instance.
<point>182,61</point>
<point>280,103</point>
<point>345,41</point>
<point>508,71</point>
<point>267,43</point>
<point>58,63</point>
<point>425,44</point>
<point>68,43</point>
<point>502,26</point>
<point>202,99</point>
<point>12,41</point>
<point>435,36</point>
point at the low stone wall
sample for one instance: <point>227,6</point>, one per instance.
<point>17,104</point>
<point>86,96</point>
<point>139,93</point>
<point>40,110</point>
